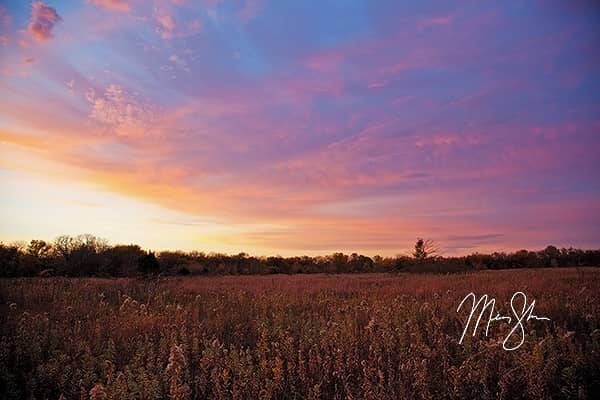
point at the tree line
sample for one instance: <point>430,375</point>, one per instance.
<point>88,255</point>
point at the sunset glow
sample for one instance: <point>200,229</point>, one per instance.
<point>293,127</point>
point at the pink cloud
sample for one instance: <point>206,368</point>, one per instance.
<point>5,21</point>
<point>121,112</point>
<point>113,5</point>
<point>436,21</point>
<point>168,28</point>
<point>325,62</point>
<point>250,10</point>
<point>166,25</point>
<point>42,21</point>
<point>377,85</point>
<point>447,140</point>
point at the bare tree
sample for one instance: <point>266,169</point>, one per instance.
<point>425,248</point>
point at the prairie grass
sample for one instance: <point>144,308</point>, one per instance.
<point>372,336</point>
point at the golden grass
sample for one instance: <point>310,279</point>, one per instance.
<point>374,336</point>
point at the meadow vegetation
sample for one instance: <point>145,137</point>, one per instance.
<point>361,336</point>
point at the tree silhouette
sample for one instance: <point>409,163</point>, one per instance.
<point>148,264</point>
<point>424,248</point>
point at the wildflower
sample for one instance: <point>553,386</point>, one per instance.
<point>97,392</point>
<point>125,304</point>
<point>568,334</point>
<point>371,324</point>
<point>178,390</point>
<point>176,360</point>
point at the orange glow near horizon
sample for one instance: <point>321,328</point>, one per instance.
<point>207,127</point>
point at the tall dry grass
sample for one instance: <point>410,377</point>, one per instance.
<point>295,337</point>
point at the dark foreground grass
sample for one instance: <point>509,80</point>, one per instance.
<point>296,337</point>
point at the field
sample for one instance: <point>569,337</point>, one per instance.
<point>374,336</point>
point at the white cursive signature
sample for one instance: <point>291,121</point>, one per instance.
<point>526,314</point>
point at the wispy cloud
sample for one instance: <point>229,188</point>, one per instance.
<point>250,9</point>
<point>167,27</point>
<point>113,5</point>
<point>435,21</point>
<point>361,127</point>
<point>122,113</point>
<point>5,22</point>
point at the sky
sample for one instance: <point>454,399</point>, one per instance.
<point>301,127</point>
